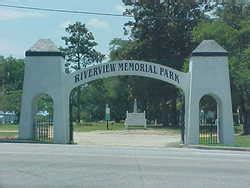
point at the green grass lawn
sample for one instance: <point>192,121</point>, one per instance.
<point>8,131</point>
<point>208,139</point>
<point>8,134</point>
<point>242,141</point>
<point>8,127</point>
<point>93,126</point>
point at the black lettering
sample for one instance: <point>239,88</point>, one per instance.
<point>161,71</point>
<point>176,78</point>
<point>99,70</point>
<point>81,76</point>
<point>77,78</point>
<point>107,68</point>
<point>171,75</point>
<point>131,66</point>
<point>112,67</point>
<point>95,71</point>
<point>146,67</point>
<point>90,73</point>
<point>85,74</point>
<point>103,69</point>
<point>121,67</point>
<point>150,69</point>
<point>142,67</point>
<point>126,66</point>
<point>155,72</point>
<point>166,73</point>
<point>137,67</point>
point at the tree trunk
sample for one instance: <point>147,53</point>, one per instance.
<point>78,105</point>
<point>246,116</point>
<point>78,111</point>
<point>164,114</point>
<point>71,127</point>
<point>246,125</point>
<point>174,114</point>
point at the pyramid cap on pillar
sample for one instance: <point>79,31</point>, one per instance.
<point>209,48</point>
<point>44,47</point>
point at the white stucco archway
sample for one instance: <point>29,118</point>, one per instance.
<point>208,73</point>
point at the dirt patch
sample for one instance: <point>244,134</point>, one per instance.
<point>128,138</point>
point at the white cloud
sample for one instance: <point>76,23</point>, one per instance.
<point>4,47</point>
<point>98,24</point>
<point>6,15</point>
<point>120,8</point>
<point>92,23</point>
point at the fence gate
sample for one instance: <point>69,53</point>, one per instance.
<point>209,133</point>
<point>43,128</point>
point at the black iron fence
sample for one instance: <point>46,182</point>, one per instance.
<point>43,128</point>
<point>209,134</point>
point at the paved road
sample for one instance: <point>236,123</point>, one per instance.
<point>33,165</point>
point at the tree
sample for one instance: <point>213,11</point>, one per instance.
<point>113,92</point>
<point>233,12</point>
<point>232,30</point>
<point>241,78</point>
<point>11,83</point>
<point>80,52</point>
<point>12,72</point>
<point>160,33</point>
<point>163,30</point>
<point>80,47</point>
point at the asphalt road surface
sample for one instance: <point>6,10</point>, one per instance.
<point>34,165</point>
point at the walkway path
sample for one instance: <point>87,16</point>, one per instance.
<point>128,138</point>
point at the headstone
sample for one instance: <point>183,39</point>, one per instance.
<point>135,118</point>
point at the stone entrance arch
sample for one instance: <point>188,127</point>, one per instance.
<point>208,73</point>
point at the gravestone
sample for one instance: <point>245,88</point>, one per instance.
<point>135,118</point>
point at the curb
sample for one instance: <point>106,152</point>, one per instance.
<point>227,148</point>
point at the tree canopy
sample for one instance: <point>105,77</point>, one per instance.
<point>79,51</point>
<point>231,29</point>
<point>160,33</point>
<point>11,80</point>
<point>80,46</point>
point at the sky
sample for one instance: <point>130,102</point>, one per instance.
<point>20,29</point>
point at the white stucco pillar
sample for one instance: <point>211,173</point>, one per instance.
<point>209,75</point>
<point>61,118</point>
<point>44,74</point>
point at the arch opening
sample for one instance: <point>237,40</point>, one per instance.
<point>209,113</point>
<point>119,104</point>
<point>43,129</point>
